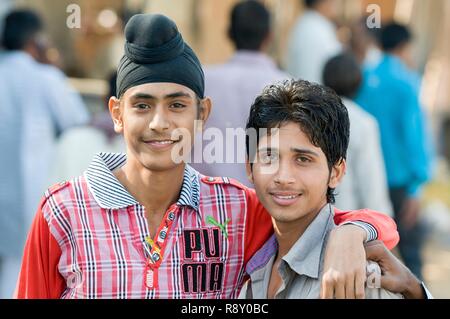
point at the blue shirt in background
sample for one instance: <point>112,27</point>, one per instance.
<point>390,92</point>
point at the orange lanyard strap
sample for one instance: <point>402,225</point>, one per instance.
<point>154,249</point>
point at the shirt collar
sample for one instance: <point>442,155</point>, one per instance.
<point>109,193</point>
<point>305,257</point>
<point>263,256</point>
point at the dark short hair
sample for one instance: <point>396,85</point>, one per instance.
<point>394,35</point>
<point>19,28</point>
<point>343,74</point>
<point>311,3</point>
<point>318,111</point>
<point>249,25</point>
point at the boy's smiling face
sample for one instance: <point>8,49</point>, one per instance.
<point>297,184</point>
<point>155,118</point>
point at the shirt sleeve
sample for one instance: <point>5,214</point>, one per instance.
<point>384,225</point>
<point>39,277</point>
<point>371,231</point>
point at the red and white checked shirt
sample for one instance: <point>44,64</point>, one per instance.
<point>89,236</point>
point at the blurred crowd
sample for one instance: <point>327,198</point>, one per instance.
<point>48,133</point>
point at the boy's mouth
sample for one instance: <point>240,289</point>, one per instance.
<point>161,144</point>
<point>285,198</point>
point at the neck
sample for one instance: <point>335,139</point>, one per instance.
<point>288,233</point>
<point>398,54</point>
<point>32,51</point>
<point>156,190</point>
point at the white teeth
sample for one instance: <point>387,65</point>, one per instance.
<point>163,142</point>
<point>286,197</point>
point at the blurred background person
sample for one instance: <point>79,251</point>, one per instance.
<point>234,85</point>
<point>390,92</point>
<point>313,40</point>
<point>77,146</point>
<point>364,43</point>
<point>39,105</point>
<point>364,184</point>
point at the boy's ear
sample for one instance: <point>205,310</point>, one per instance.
<point>337,173</point>
<point>205,109</point>
<point>116,114</point>
<point>249,171</point>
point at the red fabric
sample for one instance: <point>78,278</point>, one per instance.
<point>385,226</point>
<point>102,252</point>
<point>39,277</point>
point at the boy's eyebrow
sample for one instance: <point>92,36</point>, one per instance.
<point>177,94</point>
<point>304,151</point>
<point>293,149</point>
<point>141,95</point>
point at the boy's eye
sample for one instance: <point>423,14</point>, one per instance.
<point>268,157</point>
<point>177,106</point>
<point>303,159</point>
<point>142,106</point>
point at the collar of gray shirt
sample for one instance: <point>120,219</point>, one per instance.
<point>305,257</point>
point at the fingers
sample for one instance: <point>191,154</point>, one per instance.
<point>333,286</point>
<point>327,287</point>
<point>339,286</point>
<point>350,287</point>
<point>375,250</point>
<point>373,243</point>
<point>339,289</point>
<point>360,281</point>
<point>386,282</point>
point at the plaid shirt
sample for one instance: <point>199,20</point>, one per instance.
<point>91,236</point>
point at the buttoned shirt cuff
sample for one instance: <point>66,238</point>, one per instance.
<point>371,232</point>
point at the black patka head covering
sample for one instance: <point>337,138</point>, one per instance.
<point>156,52</point>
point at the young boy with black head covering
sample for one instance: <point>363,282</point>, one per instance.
<point>144,225</point>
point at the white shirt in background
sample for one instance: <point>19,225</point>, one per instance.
<point>312,43</point>
<point>364,184</point>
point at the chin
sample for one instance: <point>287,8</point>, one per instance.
<point>162,164</point>
<point>159,167</point>
<point>287,217</point>
<point>291,214</point>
